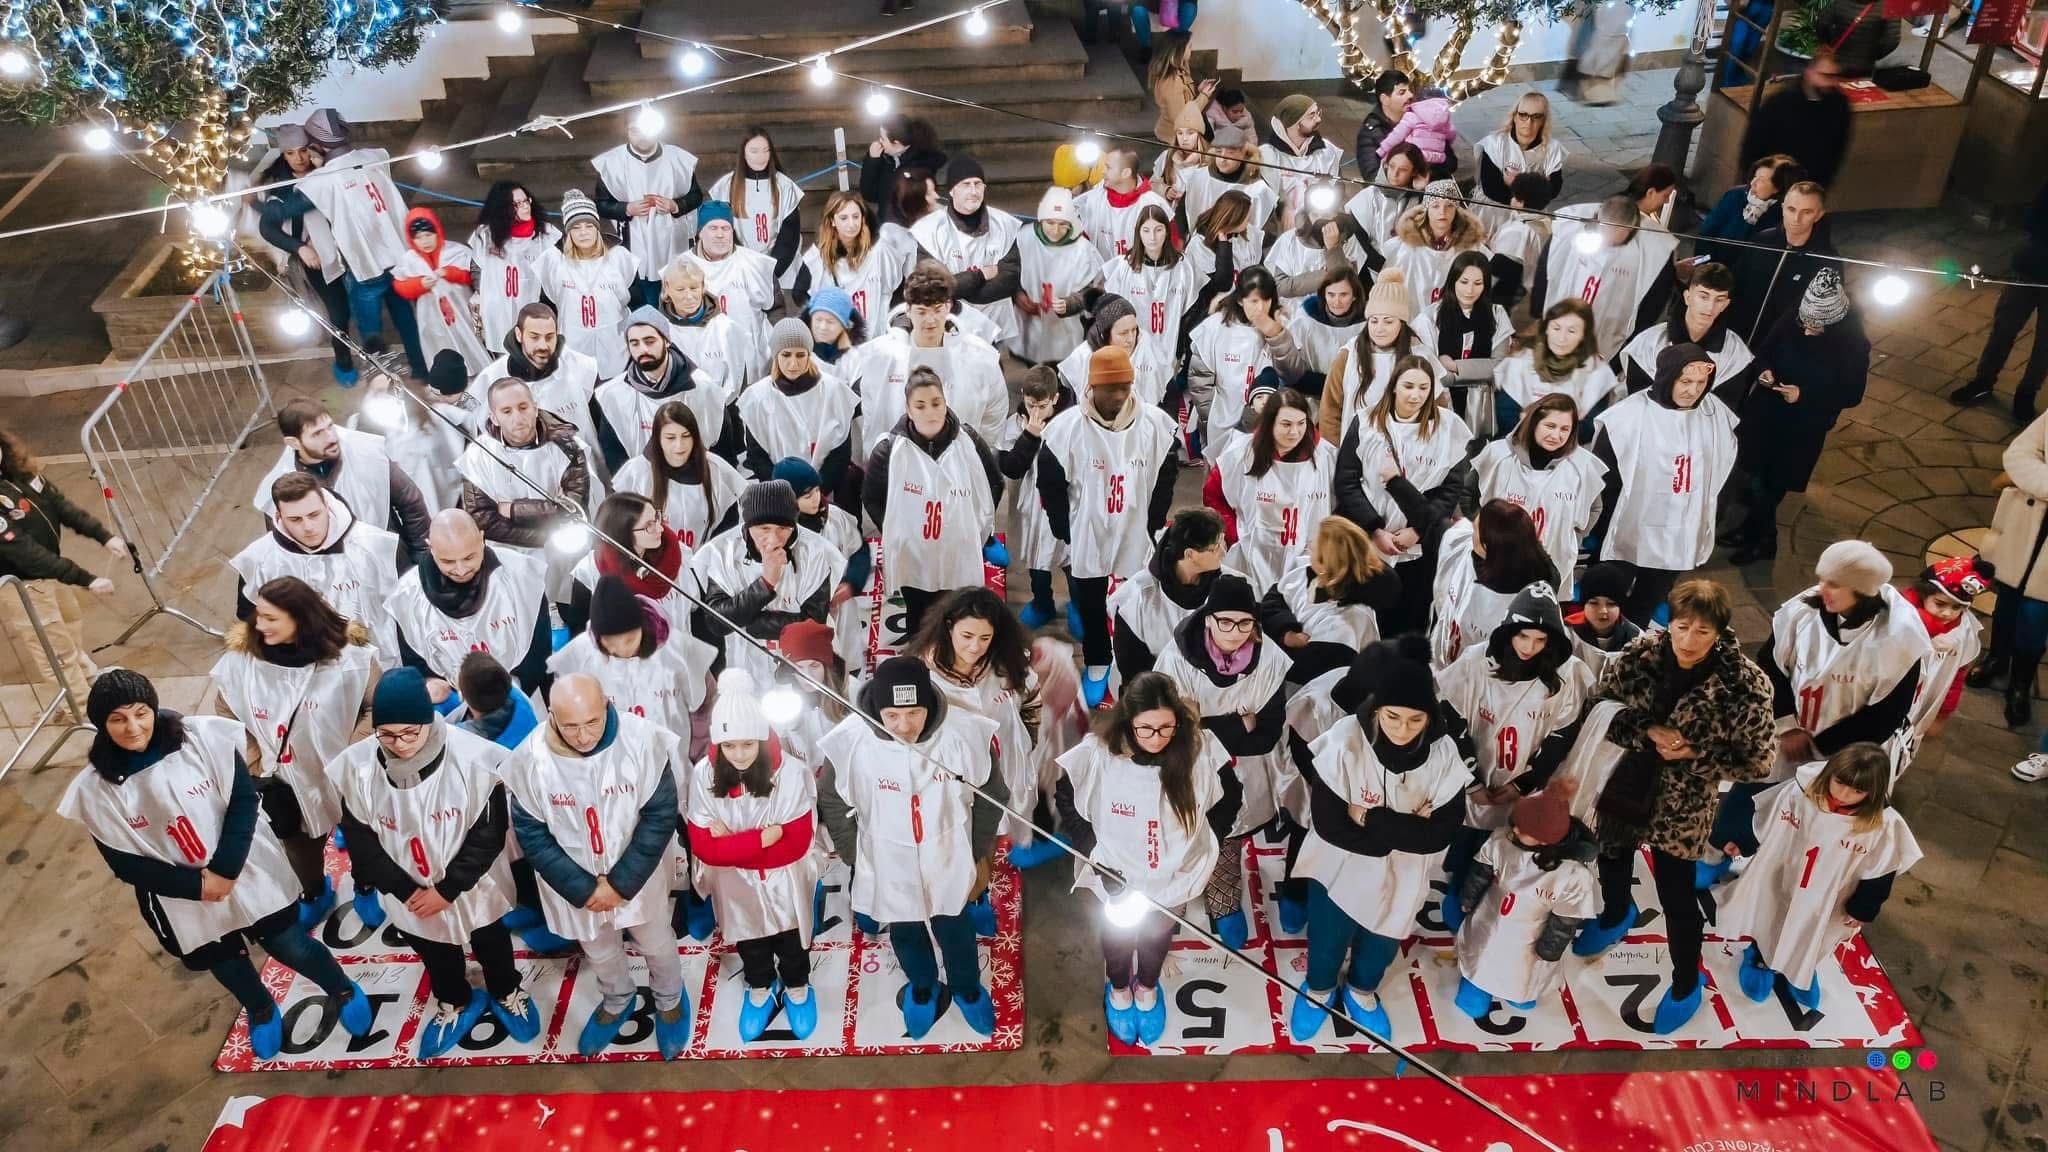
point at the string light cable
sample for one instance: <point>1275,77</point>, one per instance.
<point>1125,895</point>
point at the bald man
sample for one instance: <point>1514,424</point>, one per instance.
<point>473,597</point>
<point>594,807</point>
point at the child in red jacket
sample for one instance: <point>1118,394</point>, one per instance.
<point>436,275</point>
<point>749,812</point>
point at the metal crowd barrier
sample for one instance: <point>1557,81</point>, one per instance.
<point>38,701</point>
<point>160,441</point>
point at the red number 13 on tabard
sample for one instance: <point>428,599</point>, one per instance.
<point>1507,745</point>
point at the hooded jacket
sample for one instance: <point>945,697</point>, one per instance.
<point>1466,232</point>
<point>1578,846</point>
<point>414,287</point>
<point>36,515</point>
<point>526,523</point>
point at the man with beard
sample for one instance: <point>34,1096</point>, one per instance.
<point>518,474</point>
<point>373,486</point>
<point>562,380</point>
<point>471,598</point>
<point>658,373</point>
<point>315,537</point>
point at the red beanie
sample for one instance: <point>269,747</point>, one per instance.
<point>807,640</point>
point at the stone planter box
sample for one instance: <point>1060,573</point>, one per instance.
<point>134,318</point>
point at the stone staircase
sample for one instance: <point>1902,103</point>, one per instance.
<point>1031,62</point>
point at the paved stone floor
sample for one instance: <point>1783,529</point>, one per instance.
<point>107,1044</point>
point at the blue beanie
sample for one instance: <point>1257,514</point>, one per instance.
<point>798,471</point>
<point>832,298</point>
<point>401,698</point>
<point>712,211</point>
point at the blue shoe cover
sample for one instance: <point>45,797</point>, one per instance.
<point>700,919</point>
<point>313,912</point>
<point>267,1038</point>
<point>919,1018</point>
<point>520,918</point>
<point>1373,1020</point>
<point>1033,617</point>
<point>1705,875</point>
<point>996,553</point>
<point>598,1032</point>
<point>980,1012</point>
<point>369,909</point>
<point>1473,1000</point>
<point>1123,1022</point>
<point>356,1014</point>
<point>1306,1018</point>
<point>1808,997</point>
<point>1594,939</point>
<point>801,1015</point>
<point>1035,853</point>
<point>867,925</point>
<point>1755,976</point>
<point>519,1015</point>
<point>436,1039</point>
<point>818,909</point>
<point>1452,912</point>
<point>346,377</point>
<point>1293,915</point>
<point>1152,1021</point>
<point>1094,689</point>
<point>674,1036</point>
<point>1074,628</point>
<point>539,939</point>
<point>754,1017</point>
<point>983,913</point>
<point>1673,1014</point>
<point>1232,929</point>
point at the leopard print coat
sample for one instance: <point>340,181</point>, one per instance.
<point>1726,717</point>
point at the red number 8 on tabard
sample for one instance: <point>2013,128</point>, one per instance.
<point>596,833</point>
<point>185,838</point>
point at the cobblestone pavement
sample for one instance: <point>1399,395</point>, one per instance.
<point>106,1043</point>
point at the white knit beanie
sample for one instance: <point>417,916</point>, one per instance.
<point>1855,565</point>
<point>736,714</point>
<point>1057,204</point>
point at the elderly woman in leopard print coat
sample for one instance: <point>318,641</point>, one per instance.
<point>1695,711</point>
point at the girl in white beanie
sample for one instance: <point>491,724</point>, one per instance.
<point>1057,270</point>
<point>750,817</point>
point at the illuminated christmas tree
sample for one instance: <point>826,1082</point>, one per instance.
<point>181,83</point>
<point>1401,23</point>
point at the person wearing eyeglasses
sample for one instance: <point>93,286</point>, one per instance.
<point>1143,796</point>
<point>450,880</point>
<point>1236,680</point>
<point>1523,144</point>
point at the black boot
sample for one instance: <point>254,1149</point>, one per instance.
<point>1988,672</point>
<point>2023,408</point>
<point>1971,393</point>
<point>2019,690</point>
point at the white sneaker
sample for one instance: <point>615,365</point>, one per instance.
<point>2032,768</point>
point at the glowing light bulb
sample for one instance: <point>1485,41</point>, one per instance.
<point>295,323</point>
<point>98,139</point>
<point>1322,198</point>
<point>384,410</point>
<point>1088,151</point>
<point>208,220</point>
<point>878,104</point>
<point>821,72</point>
<point>977,24</point>
<point>1126,908</point>
<point>649,121</point>
<point>13,62</point>
<point>570,538</point>
<point>510,20</point>
<point>691,63</point>
<point>781,704</point>
<point>1890,291</point>
<point>1586,242</point>
<point>430,160</point>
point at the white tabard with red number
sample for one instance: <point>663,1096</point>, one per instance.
<point>1161,296</point>
<point>1326,620</point>
<point>356,579</point>
<point>1202,188</point>
<point>693,510</point>
<point>1791,897</point>
<point>507,279</point>
<point>713,345</point>
<point>301,718</point>
<point>1110,479</point>
<point>959,251</point>
<point>1380,894</point>
<point>630,411</point>
<point>1463,611</point>
<point>502,625</point>
<point>727,564</point>
<point>875,279</point>
<point>1612,279</point>
<point>1049,273</point>
<point>916,859</point>
<point>744,283</point>
<point>1589,385</point>
<point>1278,513</point>
<point>754,903</point>
<point>1259,775</point>
<point>1112,228</point>
<point>1292,256</point>
<point>1834,679</point>
<point>564,392</point>
<point>443,314</point>
<point>809,425</point>
<point>422,828</point>
<point>1236,354</point>
<point>1137,832</point>
<point>1509,721</point>
<point>1497,942</point>
<point>1672,465</point>
<point>656,237</point>
<point>939,513</point>
<point>363,208</point>
<point>769,202</point>
<point>171,812</point>
<point>591,805</point>
<point>1561,499</point>
<point>1424,459</point>
<point>664,687</point>
<point>1016,746</point>
<point>969,368</point>
<point>590,303</point>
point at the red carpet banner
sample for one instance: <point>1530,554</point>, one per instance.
<point>1838,1110</point>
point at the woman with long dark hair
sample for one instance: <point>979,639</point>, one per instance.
<point>510,234</point>
<point>1563,355</point>
<point>1543,469</point>
<point>1272,489</point>
<point>1161,288</point>
<point>1144,795</point>
<point>178,818</point>
<point>1467,333</point>
<point>980,659</point>
<point>693,490</point>
<point>764,200</point>
<point>298,676</point>
<point>1245,335</point>
<point>1481,565</point>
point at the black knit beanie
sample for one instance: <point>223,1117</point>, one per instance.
<point>900,682</point>
<point>769,502</point>
<point>116,689</point>
<point>614,609</point>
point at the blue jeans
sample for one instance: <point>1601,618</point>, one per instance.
<point>1331,934</point>
<point>913,947</point>
<point>1141,20</point>
<point>367,301</point>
